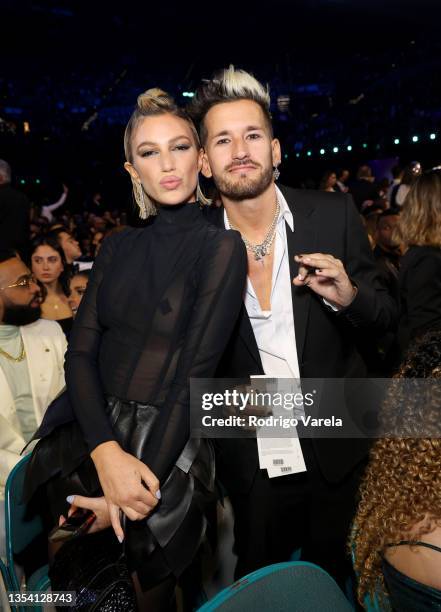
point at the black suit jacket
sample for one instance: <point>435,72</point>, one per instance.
<point>326,340</point>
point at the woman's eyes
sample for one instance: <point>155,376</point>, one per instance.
<point>179,147</point>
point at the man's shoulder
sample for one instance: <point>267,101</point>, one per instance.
<point>308,199</point>
<point>9,194</point>
<point>43,328</point>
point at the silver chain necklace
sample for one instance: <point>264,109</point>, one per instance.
<point>260,250</point>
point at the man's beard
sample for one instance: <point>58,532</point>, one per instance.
<point>20,315</point>
<point>246,188</point>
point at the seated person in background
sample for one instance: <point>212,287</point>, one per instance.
<point>363,188</point>
<point>328,181</point>
<point>397,528</point>
<point>31,364</point>
<point>71,249</point>
<point>410,174</point>
<point>387,251</point>
<point>77,287</point>
<point>49,268</point>
<point>370,218</point>
<point>419,230</point>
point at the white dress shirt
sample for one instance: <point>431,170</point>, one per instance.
<point>274,329</point>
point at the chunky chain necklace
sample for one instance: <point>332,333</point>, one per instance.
<point>260,250</point>
<point>15,359</point>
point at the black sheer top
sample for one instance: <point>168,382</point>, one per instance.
<point>406,594</point>
<point>159,308</point>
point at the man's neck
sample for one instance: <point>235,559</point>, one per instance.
<point>252,217</point>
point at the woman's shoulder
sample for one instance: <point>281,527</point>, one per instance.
<point>421,256</point>
<point>421,560</point>
<point>229,240</point>
<point>124,236</point>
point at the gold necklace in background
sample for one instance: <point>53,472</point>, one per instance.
<point>15,359</point>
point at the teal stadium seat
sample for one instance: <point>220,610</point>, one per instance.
<point>21,532</point>
<point>294,586</point>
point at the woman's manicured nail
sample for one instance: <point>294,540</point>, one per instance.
<point>158,494</point>
<point>70,499</point>
<point>120,539</point>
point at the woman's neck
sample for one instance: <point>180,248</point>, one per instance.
<point>53,288</point>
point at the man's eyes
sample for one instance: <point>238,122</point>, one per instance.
<point>252,136</point>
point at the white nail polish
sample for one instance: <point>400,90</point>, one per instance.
<point>70,499</point>
<point>120,539</point>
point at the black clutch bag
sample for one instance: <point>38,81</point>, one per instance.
<point>94,567</point>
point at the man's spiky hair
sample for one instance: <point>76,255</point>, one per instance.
<point>228,85</point>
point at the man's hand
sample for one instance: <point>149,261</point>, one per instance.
<point>326,276</point>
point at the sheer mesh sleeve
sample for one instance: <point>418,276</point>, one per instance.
<point>218,301</point>
<point>81,365</point>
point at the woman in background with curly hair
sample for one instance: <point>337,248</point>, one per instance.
<point>397,528</point>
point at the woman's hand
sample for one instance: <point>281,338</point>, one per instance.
<point>96,504</point>
<point>127,484</point>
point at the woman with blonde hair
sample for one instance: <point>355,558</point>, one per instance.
<point>419,230</point>
<point>397,529</point>
<point>159,308</point>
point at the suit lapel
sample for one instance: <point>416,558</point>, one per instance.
<point>215,215</point>
<point>302,240</point>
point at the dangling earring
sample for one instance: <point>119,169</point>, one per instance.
<point>201,198</point>
<point>276,173</point>
<point>138,193</point>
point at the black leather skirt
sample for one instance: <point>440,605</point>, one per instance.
<point>167,540</point>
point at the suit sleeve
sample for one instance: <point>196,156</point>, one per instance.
<point>217,304</point>
<point>372,306</point>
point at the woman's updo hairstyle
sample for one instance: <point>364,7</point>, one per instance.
<point>154,102</point>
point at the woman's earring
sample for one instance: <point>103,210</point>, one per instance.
<point>138,192</point>
<point>201,198</point>
<point>276,173</point>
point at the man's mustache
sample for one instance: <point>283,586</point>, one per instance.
<point>244,162</point>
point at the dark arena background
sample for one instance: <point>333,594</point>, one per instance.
<point>351,81</point>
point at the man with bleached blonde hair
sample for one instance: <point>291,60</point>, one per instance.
<point>312,284</point>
